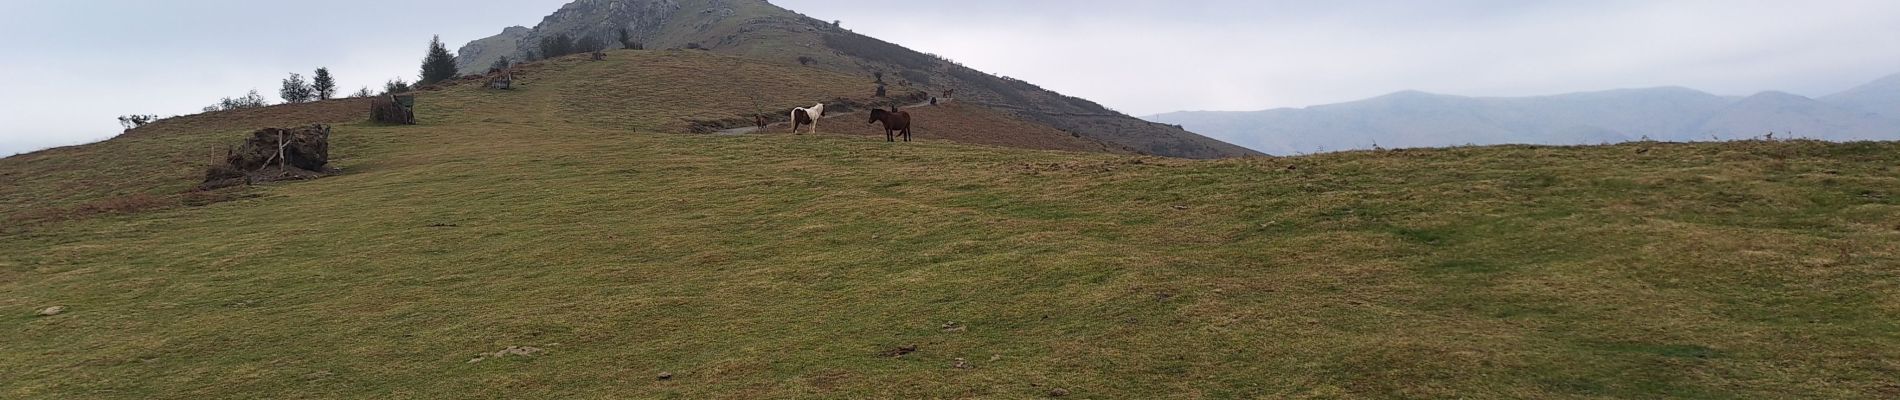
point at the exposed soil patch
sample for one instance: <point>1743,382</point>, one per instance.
<point>900,351</point>
<point>513,351</point>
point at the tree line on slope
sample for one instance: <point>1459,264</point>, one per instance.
<point>438,65</point>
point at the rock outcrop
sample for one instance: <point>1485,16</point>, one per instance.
<point>600,19</point>
<point>478,55</point>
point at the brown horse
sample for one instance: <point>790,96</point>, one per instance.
<point>894,121</point>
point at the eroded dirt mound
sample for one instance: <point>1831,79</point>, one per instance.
<point>274,154</point>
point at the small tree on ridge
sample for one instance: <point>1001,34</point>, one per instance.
<point>295,90</point>
<point>439,65</point>
<point>324,84</point>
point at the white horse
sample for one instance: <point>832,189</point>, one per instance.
<point>807,116</point>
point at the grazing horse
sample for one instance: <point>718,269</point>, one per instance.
<point>761,121</point>
<point>894,121</point>
<point>807,116</point>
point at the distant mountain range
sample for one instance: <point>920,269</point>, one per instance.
<point>1418,119</point>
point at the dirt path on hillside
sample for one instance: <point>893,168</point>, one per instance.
<point>749,129</point>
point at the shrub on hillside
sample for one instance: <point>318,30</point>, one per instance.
<point>249,100</point>
<point>134,121</point>
<point>396,86</point>
<point>557,46</point>
<point>295,90</point>
<point>589,44</point>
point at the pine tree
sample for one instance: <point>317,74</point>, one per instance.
<point>439,65</point>
<point>324,84</point>
<point>295,90</point>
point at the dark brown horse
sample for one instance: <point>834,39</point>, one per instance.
<point>894,121</point>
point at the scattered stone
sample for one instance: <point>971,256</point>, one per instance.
<point>953,326</point>
<point>1181,208</point>
<point>900,351</point>
<point>511,351</point>
<point>1058,392</point>
<point>996,357</point>
<point>666,376</point>
<point>51,311</point>
<point>1292,167</point>
<point>962,364</point>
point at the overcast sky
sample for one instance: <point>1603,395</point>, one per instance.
<point>71,66</point>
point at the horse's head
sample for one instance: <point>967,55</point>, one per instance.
<point>877,114</point>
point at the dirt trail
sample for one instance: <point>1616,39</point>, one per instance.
<point>749,129</point>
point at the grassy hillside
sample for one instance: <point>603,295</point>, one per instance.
<point>760,30</point>
<point>160,159</point>
<point>774,266</point>
<point>966,124</point>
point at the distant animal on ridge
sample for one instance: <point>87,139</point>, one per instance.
<point>894,121</point>
<point>760,121</point>
<point>807,116</point>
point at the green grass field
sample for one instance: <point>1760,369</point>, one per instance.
<point>784,266</point>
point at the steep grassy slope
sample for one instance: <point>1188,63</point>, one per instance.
<point>763,31</point>
<point>772,266</point>
<point>634,91</point>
